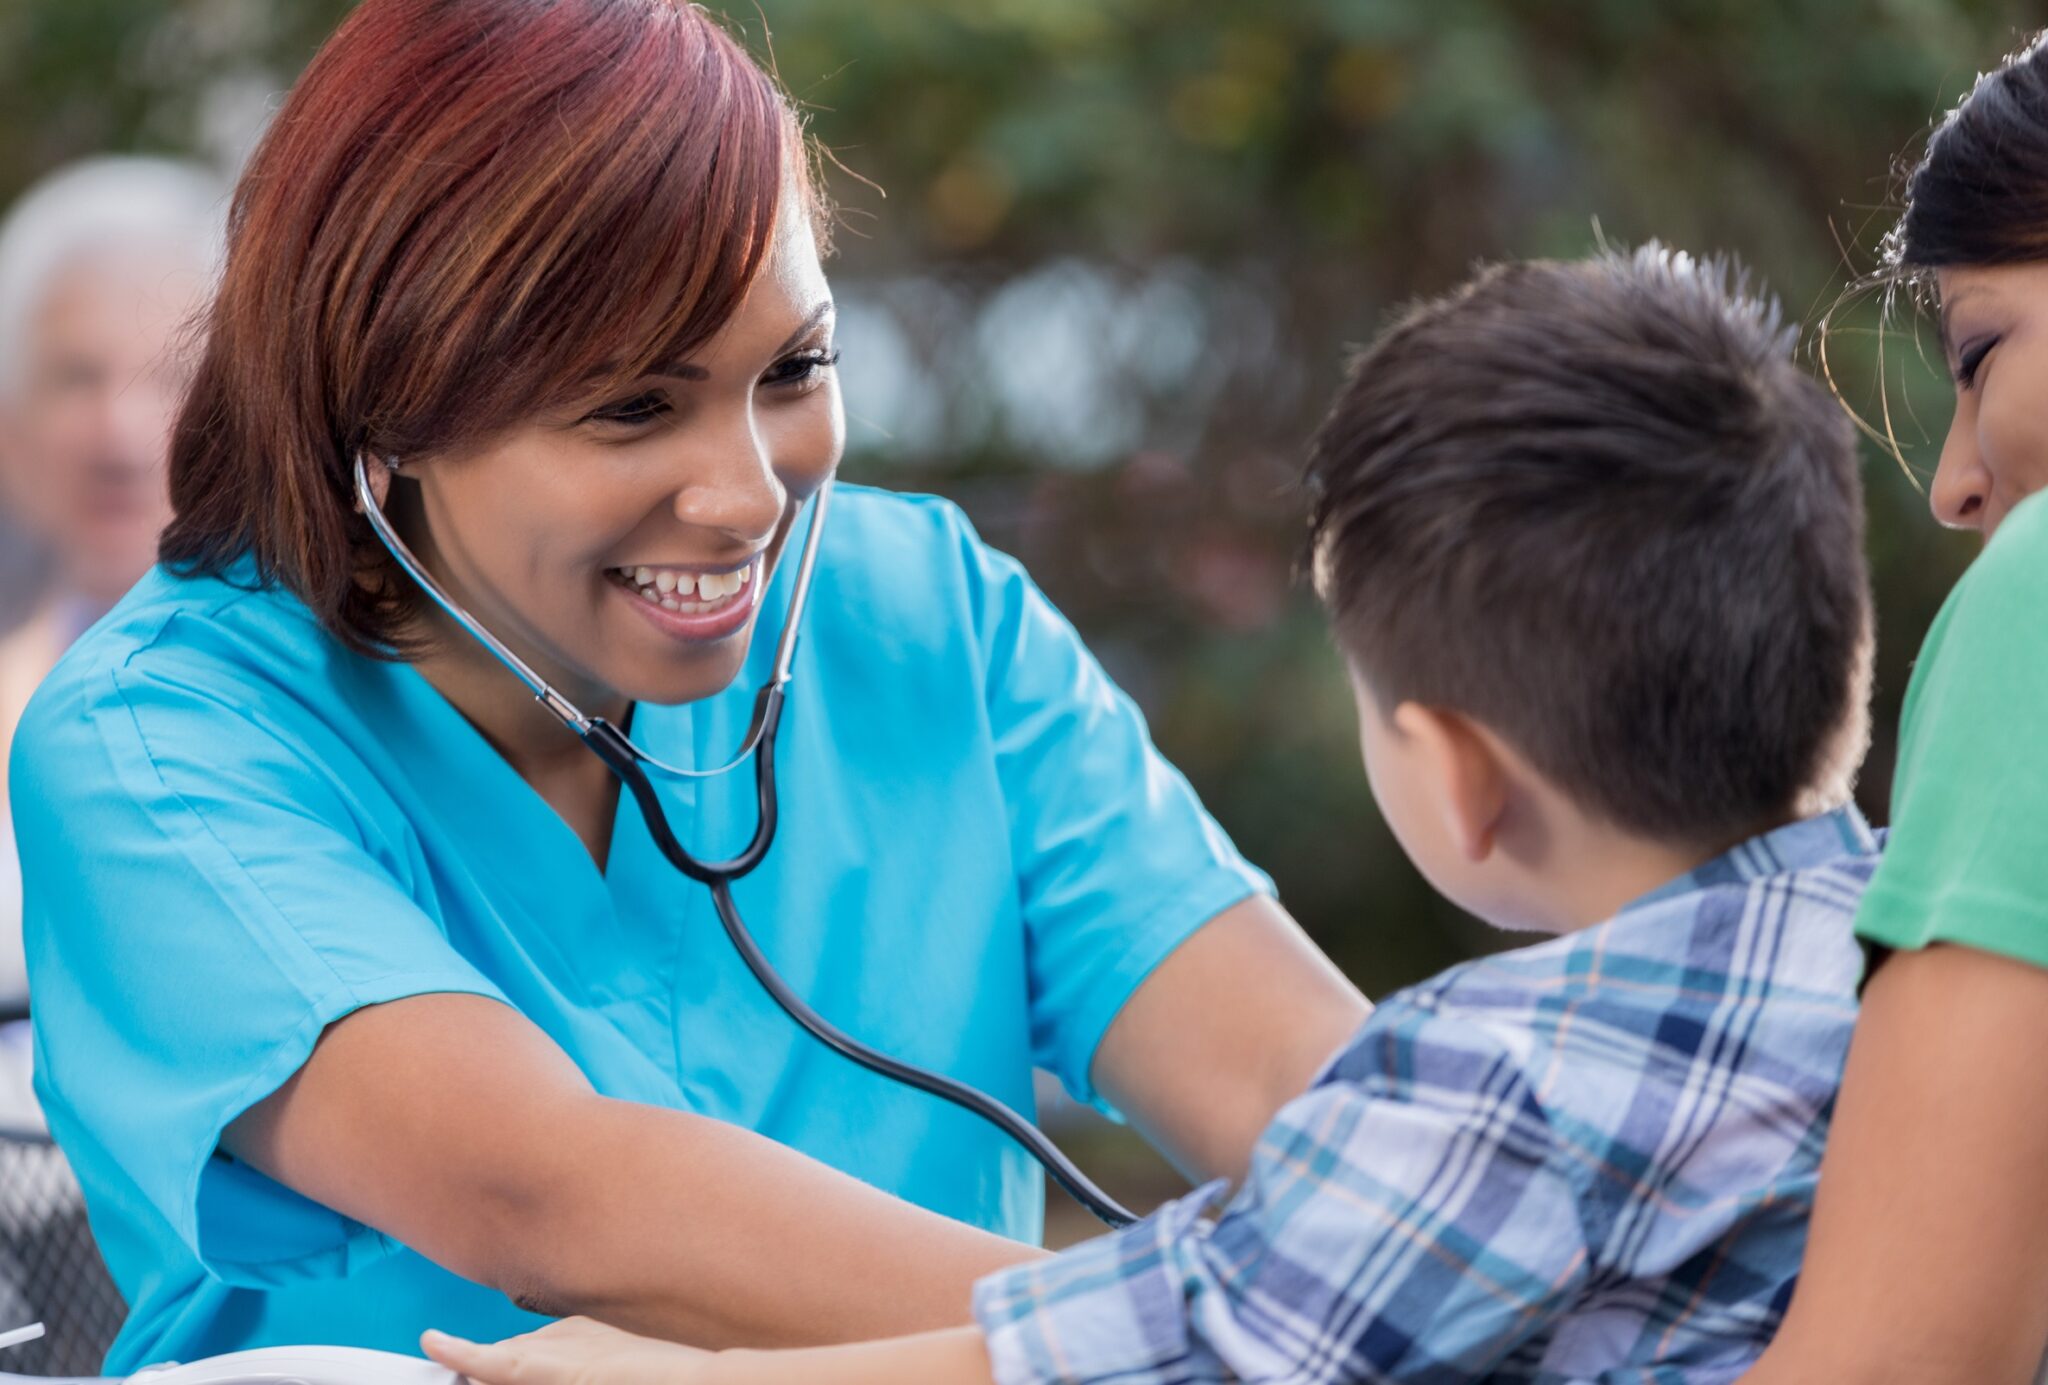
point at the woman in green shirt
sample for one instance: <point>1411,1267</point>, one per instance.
<point>1928,1260</point>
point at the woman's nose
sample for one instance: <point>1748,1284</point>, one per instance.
<point>1961,492</point>
<point>730,485</point>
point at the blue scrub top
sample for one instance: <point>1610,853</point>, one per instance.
<point>234,832</point>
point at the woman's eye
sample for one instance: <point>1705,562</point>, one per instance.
<point>1971,359</point>
<point>633,413</point>
<point>803,367</point>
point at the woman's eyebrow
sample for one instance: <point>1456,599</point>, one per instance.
<point>811,320</point>
<point>684,370</point>
<point>687,369</point>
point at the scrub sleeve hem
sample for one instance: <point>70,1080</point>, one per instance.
<point>1907,920</point>
<point>359,1244</point>
<point>1156,935</point>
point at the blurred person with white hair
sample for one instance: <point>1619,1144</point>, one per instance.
<point>102,264</point>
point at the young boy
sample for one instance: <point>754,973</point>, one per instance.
<point>1592,548</point>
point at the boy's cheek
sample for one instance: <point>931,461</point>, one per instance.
<point>1415,813</point>
<point>1403,803</point>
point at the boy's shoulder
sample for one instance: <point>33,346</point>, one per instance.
<point>1768,918</point>
<point>1739,979</point>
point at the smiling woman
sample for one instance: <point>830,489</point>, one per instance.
<point>617,532</point>
<point>361,1005</point>
<point>534,251</point>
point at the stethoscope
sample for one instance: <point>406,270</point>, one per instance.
<point>630,763</point>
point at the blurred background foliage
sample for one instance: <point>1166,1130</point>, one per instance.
<point>1100,261</point>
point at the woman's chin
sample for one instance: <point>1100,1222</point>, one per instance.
<point>707,675</point>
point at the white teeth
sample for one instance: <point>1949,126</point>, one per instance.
<point>674,590</point>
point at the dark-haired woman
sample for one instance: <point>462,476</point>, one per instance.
<point>362,1003</point>
<point>1929,1256</point>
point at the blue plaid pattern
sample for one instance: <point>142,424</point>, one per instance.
<point>1591,1160</point>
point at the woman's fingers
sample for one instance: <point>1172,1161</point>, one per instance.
<point>485,1365</point>
<point>575,1351</point>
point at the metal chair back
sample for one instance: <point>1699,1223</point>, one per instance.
<point>50,1267</point>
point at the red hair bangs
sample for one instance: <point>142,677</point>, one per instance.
<point>466,212</point>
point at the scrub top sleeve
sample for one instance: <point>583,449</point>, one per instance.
<point>1963,863</point>
<point>235,904</point>
<point>1117,861</point>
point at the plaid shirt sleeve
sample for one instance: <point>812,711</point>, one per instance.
<point>1411,1218</point>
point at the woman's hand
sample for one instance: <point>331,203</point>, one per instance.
<point>575,1351</point>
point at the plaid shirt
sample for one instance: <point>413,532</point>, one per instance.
<point>1589,1160</point>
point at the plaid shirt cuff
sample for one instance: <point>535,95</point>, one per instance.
<point>1112,1308</point>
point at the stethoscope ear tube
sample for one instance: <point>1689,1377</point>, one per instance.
<point>623,758</point>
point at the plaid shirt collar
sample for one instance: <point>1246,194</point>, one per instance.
<point>1798,845</point>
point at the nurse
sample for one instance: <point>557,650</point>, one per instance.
<point>362,1002</point>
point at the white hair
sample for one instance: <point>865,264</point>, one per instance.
<point>98,207</point>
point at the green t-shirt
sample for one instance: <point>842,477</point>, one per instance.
<point>1968,857</point>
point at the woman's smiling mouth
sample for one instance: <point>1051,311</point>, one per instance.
<point>691,603</point>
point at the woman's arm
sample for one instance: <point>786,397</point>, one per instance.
<point>586,1353</point>
<point>455,1125</point>
<point>1226,1031</point>
<point>1928,1258</point>
<point>1117,864</point>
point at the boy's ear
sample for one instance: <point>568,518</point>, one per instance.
<point>1468,774</point>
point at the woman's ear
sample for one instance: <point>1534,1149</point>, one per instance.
<point>378,472</point>
<point>1465,773</point>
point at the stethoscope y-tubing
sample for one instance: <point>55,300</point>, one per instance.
<point>612,747</point>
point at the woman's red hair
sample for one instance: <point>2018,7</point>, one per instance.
<point>468,211</point>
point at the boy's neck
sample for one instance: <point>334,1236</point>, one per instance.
<point>1602,871</point>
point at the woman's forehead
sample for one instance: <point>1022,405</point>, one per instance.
<point>790,296</point>
<point>1968,294</point>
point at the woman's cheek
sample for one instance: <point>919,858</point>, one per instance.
<point>816,440</point>
<point>2013,432</point>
